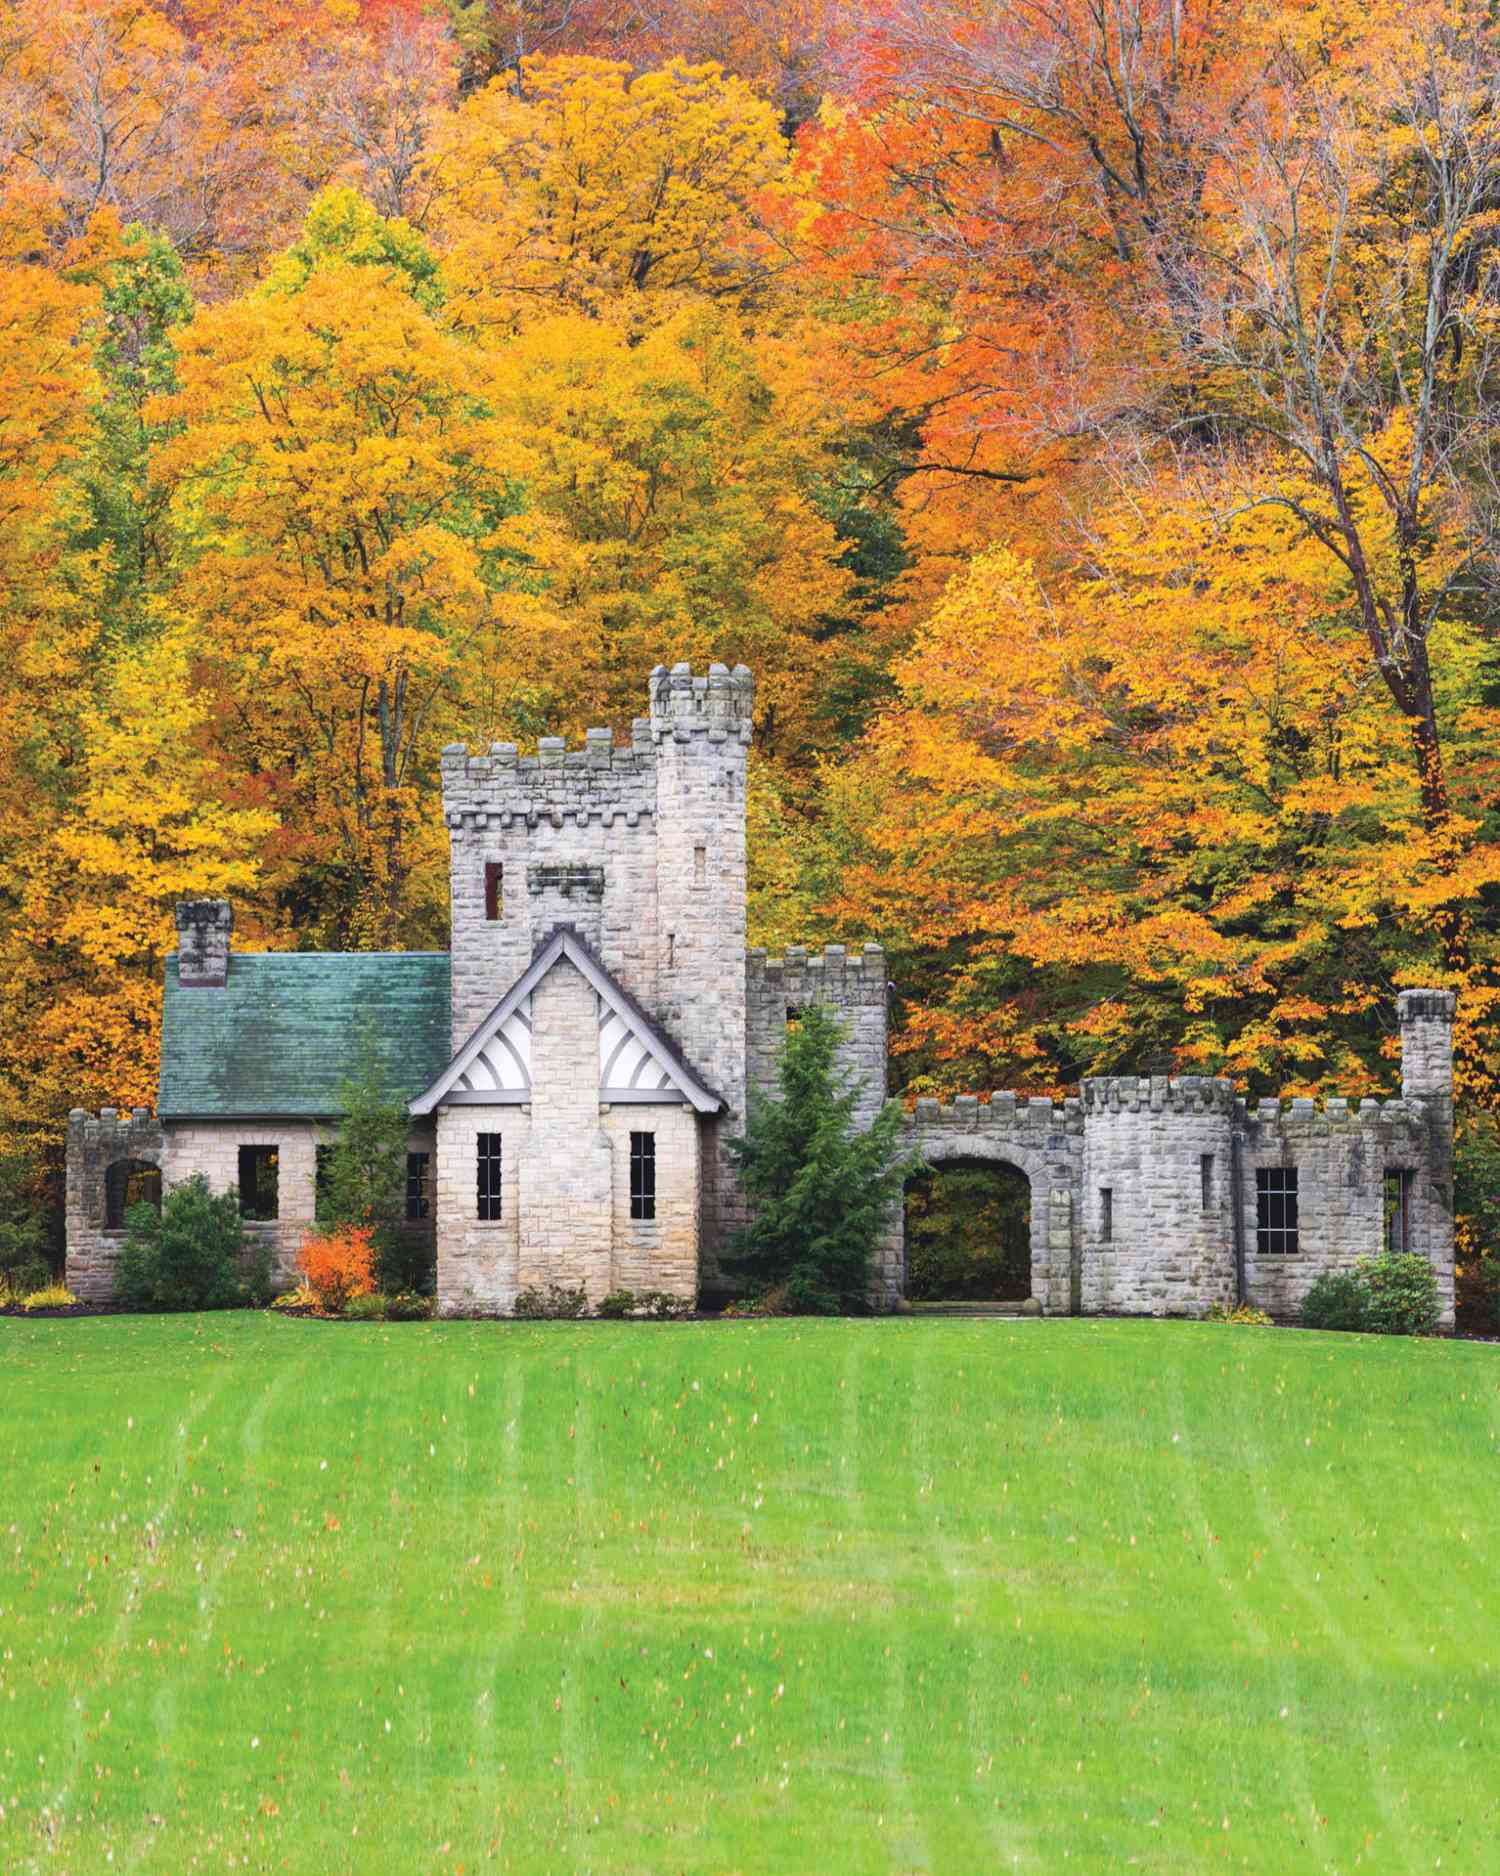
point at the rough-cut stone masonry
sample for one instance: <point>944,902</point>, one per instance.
<point>1143,1191</point>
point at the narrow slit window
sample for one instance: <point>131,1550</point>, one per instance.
<point>260,1180</point>
<point>1106,1214</point>
<point>418,1195</point>
<point>1206,1174</point>
<point>643,1175</point>
<point>494,890</point>
<point>700,866</point>
<point>489,1175</point>
<point>1398,1185</point>
<point>793,1018</point>
<point>322,1172</point>
<point>1276,1211</point>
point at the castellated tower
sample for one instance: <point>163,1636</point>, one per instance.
<point>1157,1210</point>
<point>641,850</point>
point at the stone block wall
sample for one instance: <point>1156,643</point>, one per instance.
<point>662,1253</point>
<point>95,1143</point>
<point>1038,1137</point>
<point>852,983</point>
<point>1161,1243</point>
<point>1342,1151</point>
<point>478,1270</point>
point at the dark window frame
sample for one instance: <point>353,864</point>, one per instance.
<point>418,1187</point>
<point>489,1177</point>
<point>256,1159</point>
<point>1206,1176</point>
<point>1277,1212</point>
<point>1396,1192</point>
<point>494,891</point>
<point>1106,1214</point>
<point>642,1176</point>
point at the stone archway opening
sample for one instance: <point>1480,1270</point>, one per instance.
<point>968,1233</point>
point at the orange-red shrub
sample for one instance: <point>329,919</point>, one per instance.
<point>338,1264</point>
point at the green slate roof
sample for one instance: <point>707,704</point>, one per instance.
<point>281,1037</point>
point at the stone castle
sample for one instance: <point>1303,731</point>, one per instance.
<point>576,1064</point>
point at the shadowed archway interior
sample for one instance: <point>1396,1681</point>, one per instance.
<point>968,1233</point>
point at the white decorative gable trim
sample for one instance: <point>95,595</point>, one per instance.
<point>636,1061</point>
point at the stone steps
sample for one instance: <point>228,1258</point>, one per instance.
<point>969,1311</point>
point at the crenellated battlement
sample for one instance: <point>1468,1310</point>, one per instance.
<point>1302,1115</point>
<point>1172,1094</point>
<point>1001,1112</point>
<point>834,972</point>
<point>719,706</point>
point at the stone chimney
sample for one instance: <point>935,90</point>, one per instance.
<point>203,928</point>
<point>1426,1018</point>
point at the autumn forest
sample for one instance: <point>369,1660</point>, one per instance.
<point>1079,413</point>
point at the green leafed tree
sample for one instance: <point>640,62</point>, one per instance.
<point>823,1189</point>
<point>362,1176</point>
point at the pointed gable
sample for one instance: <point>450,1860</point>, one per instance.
<point>637,1061</point>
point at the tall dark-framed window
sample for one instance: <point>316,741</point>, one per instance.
<point>1276,1211</point>
<point>1206,1178</point>
<point>260,1180</point>
<point>488,1170</point>
<point>643,1175</point>
<point>322,1167</point>
<point>494,890</point>
<point>1106,1214</point>
<point>1398,1185</point>
<point>418,1192</point>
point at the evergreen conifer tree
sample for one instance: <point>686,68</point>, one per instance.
<point>822,1189</point>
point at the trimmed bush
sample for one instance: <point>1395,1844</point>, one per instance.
<point>617,1305</point>
<point>1403,1293</point>
<point>409,1306</point>
<point>554,1304</point>
<point>373,1306</point>
<point>188,1255</point>
<point>1339,1299</point>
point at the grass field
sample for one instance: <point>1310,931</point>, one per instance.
<point>804,1597</point>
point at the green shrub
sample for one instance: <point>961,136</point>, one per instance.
<point>362,1175</point>
<point>1403,1293</point>
<point>821,1187</point>
<point>617,1305</point>
<point>187,1255</point>
<point>554,1304</point>
<point>409,1306</point>
<point>50,1296</point>
<point>372,1307</point>
<point>662,1306</point>
<point>1338,1299</point>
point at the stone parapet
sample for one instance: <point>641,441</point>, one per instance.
<point>998,1113</point>
<point>720,706</point>
<point>835,972</point>
<point>1171,1094</point>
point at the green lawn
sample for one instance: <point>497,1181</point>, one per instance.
<point>797,1597</point>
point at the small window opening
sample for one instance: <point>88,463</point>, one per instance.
<point>1398,1187</point>
<point>643,1175</point>
<point>671,949</point>
<point>1106,1214</point>
<point>129,1182</point>
<point>489,1175</point>
<point>1206,1174</point>
<point>418,1195</point>
<point>700,866</point>
<point>494,890</point>
<point>260,1182</point>
<point>322,1170</point>
<point>793,1018</point>
<point>1276,1211</point>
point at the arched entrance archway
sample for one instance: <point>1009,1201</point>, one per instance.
<point>129,1182</point>
<point>968,1232</point>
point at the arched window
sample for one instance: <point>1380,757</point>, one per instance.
<point>129,1182</point>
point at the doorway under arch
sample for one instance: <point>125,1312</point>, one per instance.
<point>129,1182</point>
<point>968,1233</point>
